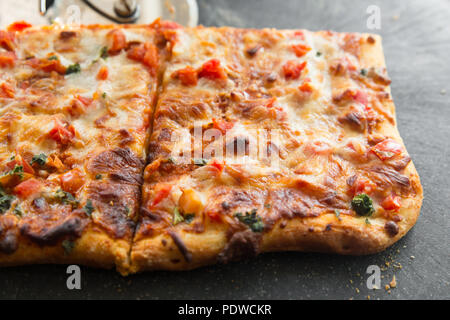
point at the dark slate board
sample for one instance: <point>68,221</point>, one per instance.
<point>417,49</point>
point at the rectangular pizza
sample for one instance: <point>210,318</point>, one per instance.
<point>162,147</point>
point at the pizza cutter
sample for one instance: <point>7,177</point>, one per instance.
<point>184,12</point>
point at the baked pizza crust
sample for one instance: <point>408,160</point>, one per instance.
<point>183,249</point>
<point>157,243</point>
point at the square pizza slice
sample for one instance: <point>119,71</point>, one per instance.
<point>75,114</point>
<point>268,140</point>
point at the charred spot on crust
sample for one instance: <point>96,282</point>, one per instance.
<point>391,228</point>
<point>121,163</point>
<point>71,227</point>
<point>116,202</point>
<point>8,236</point>
<point>181,246</point>
<point>243,244</point>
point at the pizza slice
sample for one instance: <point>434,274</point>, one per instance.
<point>268,140</point>
<point>76,105</point>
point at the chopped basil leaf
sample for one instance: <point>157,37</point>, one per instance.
<point>53,58</point>
<point>254,222</point>
<point>98,176</point>
<point>318,53</point>
<point>89,208</point>
<point>17,211</point>
<point>364,72</point>
<point>68,246</point>
<point>363,205</point>
<point>104,53</point>
<point>177,217</point>
<point>73,68</point>
<point>5,201</point>
<point>66,198</point>
<point>18,171</point>
<point>200,162</point>
<point>40,159</point>
<point>367,221</point>
<point>267,205</point>
<point>104,95</point>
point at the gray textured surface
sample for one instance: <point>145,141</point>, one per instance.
<point>417,48</point>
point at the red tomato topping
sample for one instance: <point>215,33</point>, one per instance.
<point>293,69</point>
<point>218,165</point>
<point>392,202</point>
<point>84,100</point>
<point>387,149</point>
<point>299,34</point>
<point>62,134</point>
<point>187,76</point>
<point>300,49</point>
<point>7,40</point>
<point>18,160</point>
<point>119,41</point>
<point>47,65</point>
<point>361,97</point>
<point>27,188</point>
<point>318,147</point>
<point>163,24</point>
<point>161,194</point>
<point>212,70</point>
<point>222,125</point>
<point>145,53</point>
<point>7,59</point>
<point>72,180</point>
<point>306,87</point>
<point>6,91</point>
<point>18,26</point>
<point>214,216</point>
<point>363,185</point>
<point>102,73</point>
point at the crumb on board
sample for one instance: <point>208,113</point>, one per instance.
<point>393,283</point>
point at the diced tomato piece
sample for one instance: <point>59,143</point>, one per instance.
<point>214,216</point>
<point>7,59</point>
<point>161,194</point>
<point>300,49</point>
<point>212,70</point>
<point>6,91</point>
<point>392,202</point>
<point>62,134</point>
<point>293,69</point>
<point>18,26</point>
<point>7,40</point>
<point>306,87</point>
<point>318,147</point>
<point>218,165</point>
<point>85,100</point>
<point>102,73</point>
<point>119,41</point>
<point>222,125</point>
<point>363,185</point>
<point>18,160</point>
<point>27,188</point>
<point>47,65</point>
<point>361,97</point>
<point>299,34</point>
<point>72,180</point>
<point>145,53</point>
<point>387,149</point>
<point>187,76</point>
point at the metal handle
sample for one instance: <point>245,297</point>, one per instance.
<point>126,11</point>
